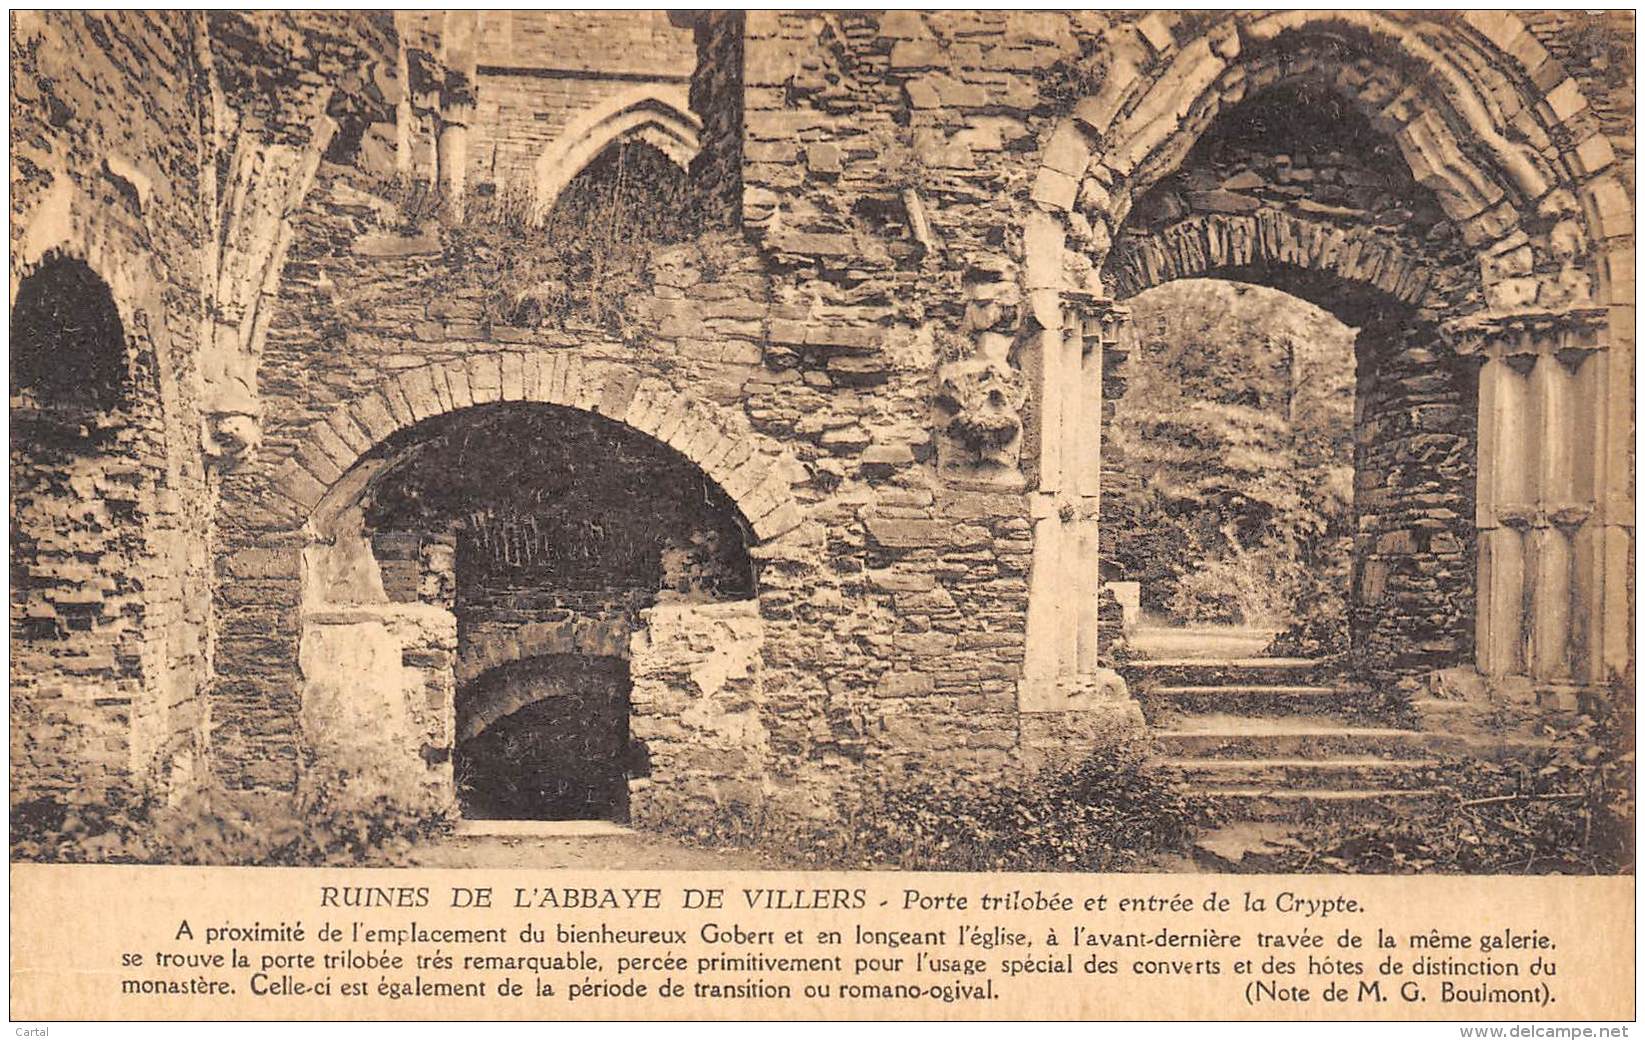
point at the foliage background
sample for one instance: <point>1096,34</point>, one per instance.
<point>1228,466</point>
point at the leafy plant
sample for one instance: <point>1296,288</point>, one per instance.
<point>339,819</point>
<point>1569,809</point>
<point>1106,812</point>
<point>578,262</point>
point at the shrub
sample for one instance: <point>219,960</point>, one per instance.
<point>1567,810</point>
<point>579,261</point>
<point>1107,812</point>
<point>332,820</point>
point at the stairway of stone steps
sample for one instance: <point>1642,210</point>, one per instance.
<point>1271,740</point>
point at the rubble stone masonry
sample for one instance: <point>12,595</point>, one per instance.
<point>882,365</point>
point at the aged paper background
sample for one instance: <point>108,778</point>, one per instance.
<point>538,462</point>
<point>73,928</point>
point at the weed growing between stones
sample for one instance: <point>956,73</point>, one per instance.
<point>579,262</point>
<point>334,820</point>
<point>1107,812</point>
<point>1568,810</point>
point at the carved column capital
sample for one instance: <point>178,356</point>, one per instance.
<point>1529,333</point>
<point>1099,319</point>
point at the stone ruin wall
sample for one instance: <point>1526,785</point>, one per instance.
<point>110,646</point>
<point>542,72</point>
<point>883,170</point>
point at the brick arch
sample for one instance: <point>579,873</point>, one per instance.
<point>1211,245</point>
<point>1140,124</point>
<point>505,700</point>
<point>757,478</point>
<point>603,637</point>
<point>658,115</point>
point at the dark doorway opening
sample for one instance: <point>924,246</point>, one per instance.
<point>545,739</point>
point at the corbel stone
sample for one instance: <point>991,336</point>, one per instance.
<point>978,398</point>
<point>252,232</point>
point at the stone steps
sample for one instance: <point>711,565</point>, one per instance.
<point>1223,670</point>
<point>1159,642</point>
<point>1264,737</point>
<point>1296,773</point>
<point>1277,698</point>
<point>1271,740</point>
<point>1259,804</point>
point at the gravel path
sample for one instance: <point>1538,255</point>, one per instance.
<point>632,852</point>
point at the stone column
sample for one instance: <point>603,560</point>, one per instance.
<point>1543,577</point>
<point>459,55</point>
<point>1061,671</point>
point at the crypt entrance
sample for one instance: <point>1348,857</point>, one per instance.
<point>510,553</point>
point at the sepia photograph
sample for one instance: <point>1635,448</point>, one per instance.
<point>1163,442</point>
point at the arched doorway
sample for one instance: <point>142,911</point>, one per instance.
<point>1473,266</point>
<point>509,553</point>
<point>1294,189</point>
<point>80,447</point>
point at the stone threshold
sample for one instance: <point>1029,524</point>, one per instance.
<point>540,829</point>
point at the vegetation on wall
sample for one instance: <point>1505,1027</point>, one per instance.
<point>580,261</point>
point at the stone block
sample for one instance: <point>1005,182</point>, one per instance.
<point>511,366</point>
<point>911,54</point>
<point>906,533</point>
<point>903,684</point>
<point>1055,189</point>
<point>417,385</point>
<point>485,378</point>
<point>887,455</point>
<point>298,485</point>
<point>1218,200</point>
<point>371,414</point>
<point>1067,152</point>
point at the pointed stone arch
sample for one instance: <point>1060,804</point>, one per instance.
<point>1492,124</point>
<point>656,114</point>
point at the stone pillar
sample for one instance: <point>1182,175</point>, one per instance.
<point>459,55</point>
<point>1061,671</point>
<point>1543,578</point>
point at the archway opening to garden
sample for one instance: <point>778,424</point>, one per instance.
<point>1228,468</point>
<point>1325,433</point>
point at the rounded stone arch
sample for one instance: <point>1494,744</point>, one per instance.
<point>502,701</point>
<point>1234,245</point>
<point>657,115</point>
<point>603,637</point>
<point>321,476</point>
<point>1508,166</point>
